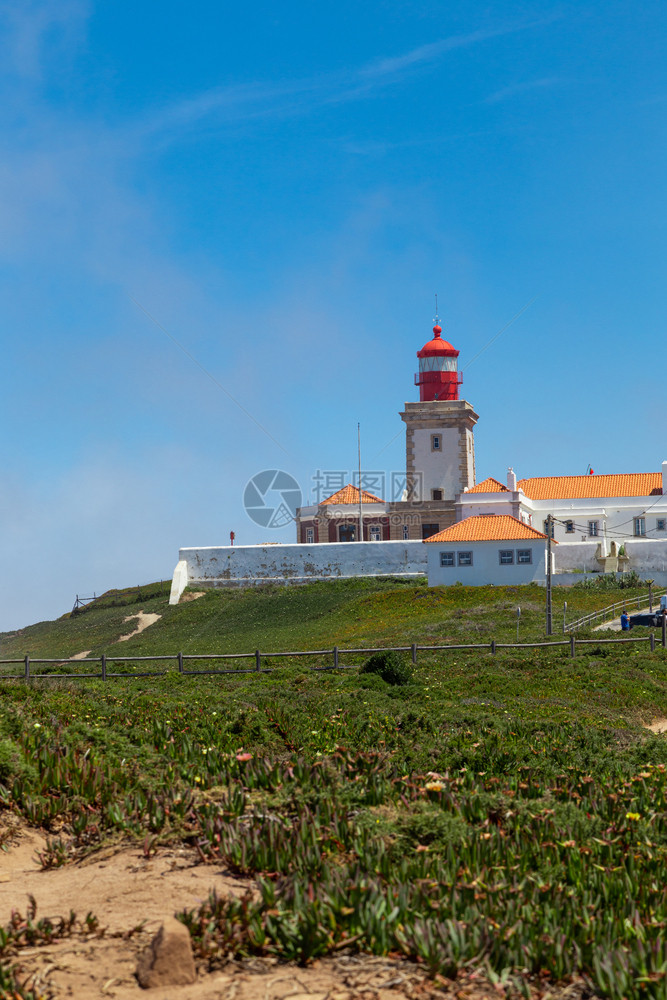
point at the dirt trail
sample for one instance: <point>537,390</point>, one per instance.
<point>144,619</point>
<point>125,888</point>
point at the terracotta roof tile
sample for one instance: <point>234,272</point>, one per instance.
<point>631,484</point>
<point>489,485</point>
<point>350,494</point>
<point>487,528</point>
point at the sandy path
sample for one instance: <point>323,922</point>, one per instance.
<point>125,888</point>
<point>144,619</point>
<point>121,888</point>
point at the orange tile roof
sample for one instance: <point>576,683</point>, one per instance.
<point>487,528</point>
<point>489,485</point>
<point>631,484</point>
<point>350,494</point>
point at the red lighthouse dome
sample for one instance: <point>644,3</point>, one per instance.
<point>438,377</point>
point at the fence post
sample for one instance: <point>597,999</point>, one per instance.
<point>180,663</point>
<point>335,656</point>
<point>664,630</point>
<point>258,660</point>
<point>493,646</point>
<point>26,661</point>
<point>572,642</point>
<point>653,642</point>
<point>413,649</point>
<point>103,660</point>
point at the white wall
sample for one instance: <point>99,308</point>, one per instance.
<point>440,469</point>
<point>248,565</point>
<point>486,568</point>
<point>471,504</point>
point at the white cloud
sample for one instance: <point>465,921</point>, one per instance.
<point>505,93</point>
<point>29,24</point>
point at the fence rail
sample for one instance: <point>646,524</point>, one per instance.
<point>614,610</point>
<point>335,653</point>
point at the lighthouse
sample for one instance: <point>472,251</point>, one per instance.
<point>438,376</point>
<point>439,442</point>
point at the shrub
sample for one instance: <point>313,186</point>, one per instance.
<point>390,666</point>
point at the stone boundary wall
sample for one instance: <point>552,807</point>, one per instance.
<point>251,565</point>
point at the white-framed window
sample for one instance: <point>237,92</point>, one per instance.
<point>660,524</point>
<point>640,526</point>
<point>375,533</point>
<point>310,536</point>
<point>436,494</point>
<point>569,527</point>
<point>593,528</point>
<point>436,442</point>
<point>465,558</point>
<point>524,557</point>
<point>506,557</point>
<point>446,558</point>
<point>406,532</point>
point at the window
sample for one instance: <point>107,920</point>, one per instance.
<point>660,524</point>
<point>506,557</point>
<point>347,533</point>
<point>593,529</point>
<point>430,529</point>
<point>524,557</point>
<point>446,558</point>
<point>310,536</point>
<point>436,442</point>
<point>375,533</point>
<point>549,528</point>
<point>436,494</point>
<point>406,532</point>
<point>465,558</point>
<point>569,527</point>
<point>640,526</point>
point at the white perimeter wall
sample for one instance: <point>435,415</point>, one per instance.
<point>486,568</point>
<point>646,555</point>
<point>248,565</point>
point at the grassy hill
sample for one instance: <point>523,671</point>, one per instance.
<point>275,618</point>
<point>504,812</point>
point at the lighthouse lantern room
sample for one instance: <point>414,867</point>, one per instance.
<point>438,377</point>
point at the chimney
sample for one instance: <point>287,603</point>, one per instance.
<point>664,478</point>
<point>511,478</point>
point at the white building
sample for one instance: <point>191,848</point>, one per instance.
<point>487,549</point>
<point>605,523</point>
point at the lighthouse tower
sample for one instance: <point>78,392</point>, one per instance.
<point>438,377</point>
<point>439,443</point>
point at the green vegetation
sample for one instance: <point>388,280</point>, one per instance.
<point>385,612</point>
<point>507,811</point>
<point>390,666</point>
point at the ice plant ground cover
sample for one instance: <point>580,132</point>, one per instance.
<point>507,812</point>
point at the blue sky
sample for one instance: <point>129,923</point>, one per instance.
<point>283,188</point>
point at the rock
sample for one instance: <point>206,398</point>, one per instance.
<point>168,961</point>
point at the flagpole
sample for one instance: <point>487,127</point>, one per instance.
<point>361,523</point>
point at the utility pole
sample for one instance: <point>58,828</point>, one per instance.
<point>361,522</point>
<point>550,522</point>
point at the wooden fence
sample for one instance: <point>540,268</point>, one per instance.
<point>179,659</point>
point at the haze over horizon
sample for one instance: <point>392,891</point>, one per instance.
<point>222,234</point>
